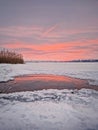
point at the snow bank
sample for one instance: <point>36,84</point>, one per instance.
<point>49,110</point>
<point>79,70</point>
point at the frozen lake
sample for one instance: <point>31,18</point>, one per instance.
<point>50,109</point>
<point>79,70</point>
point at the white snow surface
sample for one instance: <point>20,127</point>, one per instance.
<point>87,71</point>
<point>49,110</point>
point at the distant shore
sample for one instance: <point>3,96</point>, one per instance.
<point>42,81</point>
<point>37,61</point>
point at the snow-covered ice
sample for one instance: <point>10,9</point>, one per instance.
<point>79,70</point>
<point>49,110</point>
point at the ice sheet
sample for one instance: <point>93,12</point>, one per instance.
<point>49,110</point>
<point>79,70</point>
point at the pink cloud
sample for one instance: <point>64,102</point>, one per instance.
<point>62,31</point>
<point>50,46</point>
<point>20,31</point>
<point>57,51</point>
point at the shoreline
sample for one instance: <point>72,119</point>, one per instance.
<point>44,81</point>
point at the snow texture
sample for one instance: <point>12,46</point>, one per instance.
<point>49,110</point>
<point>87,71</point>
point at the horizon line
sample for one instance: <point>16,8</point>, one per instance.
<point>78,60</point>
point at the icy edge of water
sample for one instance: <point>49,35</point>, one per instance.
<point>82,71</point>
<point>79,96</point>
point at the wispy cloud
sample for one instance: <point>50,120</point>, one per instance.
<point>20,31</point>
<point>39,34</point>
<point>50,30</point>
<point>67,50</point>
<point>54,43</point>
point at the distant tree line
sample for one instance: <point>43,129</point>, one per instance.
<point>7,56</point>
<point>89,60</point>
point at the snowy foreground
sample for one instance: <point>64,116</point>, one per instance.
<point>49,110</point>
<point>79,70</point>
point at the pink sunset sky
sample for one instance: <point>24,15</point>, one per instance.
<point>50,30</point>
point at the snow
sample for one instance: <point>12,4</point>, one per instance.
<point>87,71</point>
<point>49,110</point>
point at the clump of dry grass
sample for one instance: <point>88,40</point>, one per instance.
<point>7,56</point>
